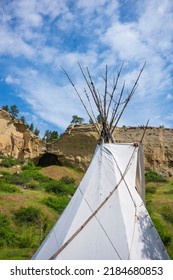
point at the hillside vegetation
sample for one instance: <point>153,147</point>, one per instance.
<point>159,203</point>
<point>30,204</point>
<point>32,199</point>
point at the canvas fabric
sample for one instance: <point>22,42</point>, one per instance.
<point>106,218</point>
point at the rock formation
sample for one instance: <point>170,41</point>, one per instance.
<point>77,145</point>
<point>17,140</point>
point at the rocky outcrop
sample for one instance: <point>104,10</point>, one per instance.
<point>17,141</point>
<point>158,147</point>
<point>77,145</point>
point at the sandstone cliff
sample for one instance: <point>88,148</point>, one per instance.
<point>17,141</point>
<point>77,145</point>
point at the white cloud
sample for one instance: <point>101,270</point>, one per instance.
<point>27,15</point>
<point>124,40</point>
<point>90,5</point>
<point>155,23</point>
<point>24,31</point>
<point>13,45</point>
<point>146,39</point>
<point>11,80</point>
<point>42,35</point>
<point>52,8</point>
<point>31,12</point>
<point>49,101</point>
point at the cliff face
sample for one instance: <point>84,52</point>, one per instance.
<point>16,140</point>
<point>77,145</point>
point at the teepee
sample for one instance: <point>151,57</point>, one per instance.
<point>107,218</point>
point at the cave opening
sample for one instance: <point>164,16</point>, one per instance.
<point>48,159</point>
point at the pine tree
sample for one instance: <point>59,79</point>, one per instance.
<point>50,136</point>
<point>5,108</point>
<point>31,127</point>
<point>77,120</point>
<point>14,111</point>
<point>36,131</point>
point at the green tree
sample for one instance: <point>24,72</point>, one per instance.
<point>36,132</point>
<point>50,136</point>
<point>47,136</point>
<point>5,108</point>
<point>99,119</point>
<point>14,111</point>
<point>22,119</point>
<point>77,120</point>
<point>31,127</point>
<point>54,136</point>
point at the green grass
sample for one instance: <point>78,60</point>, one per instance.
<point>59,187</point>
<point>29,221</point>
<point>9,161</point>
<point>8,253</point>
<point>7,234</point>
<point>31,203</point>
<point>29,209</point>
<point>151,176</point>
<point>7,188</point>
<point>159,203</point>
<point>57,204</point>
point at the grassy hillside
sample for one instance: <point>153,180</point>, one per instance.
<point>159,203</point>
<point>32,199</point>
<point>30,204</point>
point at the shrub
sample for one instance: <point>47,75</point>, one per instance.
<point>68,180</point>
<point>151,176</point>
<point>25,241</point>
<point>169,189</point>
<point>150,189</point>
<point>167,213</point>
<point>30,178</point>
<point>34,185</point>
<point>16,179</point>
<point>27,215</point>
<point>7,188</point>
<point>168,192</point>
<point>55,187</point>
<point>164,234</point>
<point>7,235</point>
<point>60,187</point>
<point>30,165</point>
<point>57,204</point>
<point>9,161</point>
<point>4,172</point>
<point>32,174</point>
<point>26,177</point>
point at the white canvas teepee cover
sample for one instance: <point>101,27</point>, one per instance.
<point>106,218</point>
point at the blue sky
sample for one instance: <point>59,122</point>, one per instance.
<point>36,37</point>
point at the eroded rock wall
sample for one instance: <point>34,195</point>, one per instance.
<point>77,145</point>
<point>17,141</point>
